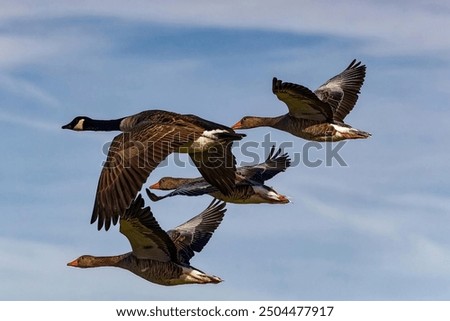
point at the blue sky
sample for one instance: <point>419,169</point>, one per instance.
<point>376,229</point>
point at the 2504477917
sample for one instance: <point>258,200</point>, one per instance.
<point>295,311</point>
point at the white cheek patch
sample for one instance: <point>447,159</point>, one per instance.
<point>79,125</point>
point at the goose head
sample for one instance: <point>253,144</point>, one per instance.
<point>169,183</point>
<point>84,261</point>
<point>90,261</point>
<point>253,121</point>
<point>78,123</point>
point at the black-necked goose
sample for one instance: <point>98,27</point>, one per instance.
<point>147,139</point>
<point>250,188</point>
<point>158,256</point>
<point>319,115</point>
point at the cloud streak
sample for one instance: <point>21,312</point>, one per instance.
<point>16,119</point>
<point>24,88</point>
<point>406,29</point>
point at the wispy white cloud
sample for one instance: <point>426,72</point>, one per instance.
<point>29,47</point>
<point>28,122</point>
<point>24,88</point>
<point>20,49</point>
<point>355,220</point>
<point>405,28</point>
<point>415,256</point>
<point>424,201</point>
<point>426,257</point>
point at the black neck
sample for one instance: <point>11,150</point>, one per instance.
<point>102,125</point>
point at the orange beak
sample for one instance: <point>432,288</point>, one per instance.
<point>73,263</point>
<point>155,186</point>
<point>238,125</point>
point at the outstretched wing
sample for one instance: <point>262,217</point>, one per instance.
<point>217,165</point>
<point>146,237</point>
<point>193,188</point>
<point>341,91</point>
<point>131,158</point>
<point>301,102</point>
<point>193,235</point>
<point>274,164</point>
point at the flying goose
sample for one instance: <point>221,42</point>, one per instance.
<point>250,188</point>
<point>158,256</point>
<point>147,139</point>
<point>319,115</point>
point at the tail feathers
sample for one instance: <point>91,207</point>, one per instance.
<point>356,134</point>
<point>191,275</point>
<point>344,132</point>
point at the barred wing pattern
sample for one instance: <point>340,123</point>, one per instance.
<point>194,234</point>
<point>274,164</point>
<point>341,91</point>
<point>131,158</point>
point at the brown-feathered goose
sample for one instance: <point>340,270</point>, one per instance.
<point>158,256</point>
<point>319,115</point>
<point>250,188</point>
<point>147,139</point>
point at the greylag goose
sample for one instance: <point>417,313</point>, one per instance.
<point>250,188</point>
<point>158,256</point>
<point>319,115</point>
<point>147,139</point>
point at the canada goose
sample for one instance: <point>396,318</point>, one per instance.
<point>250,188</point>
<point>147,139</point>
<point>319,115</point>
<point>157,256</point>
